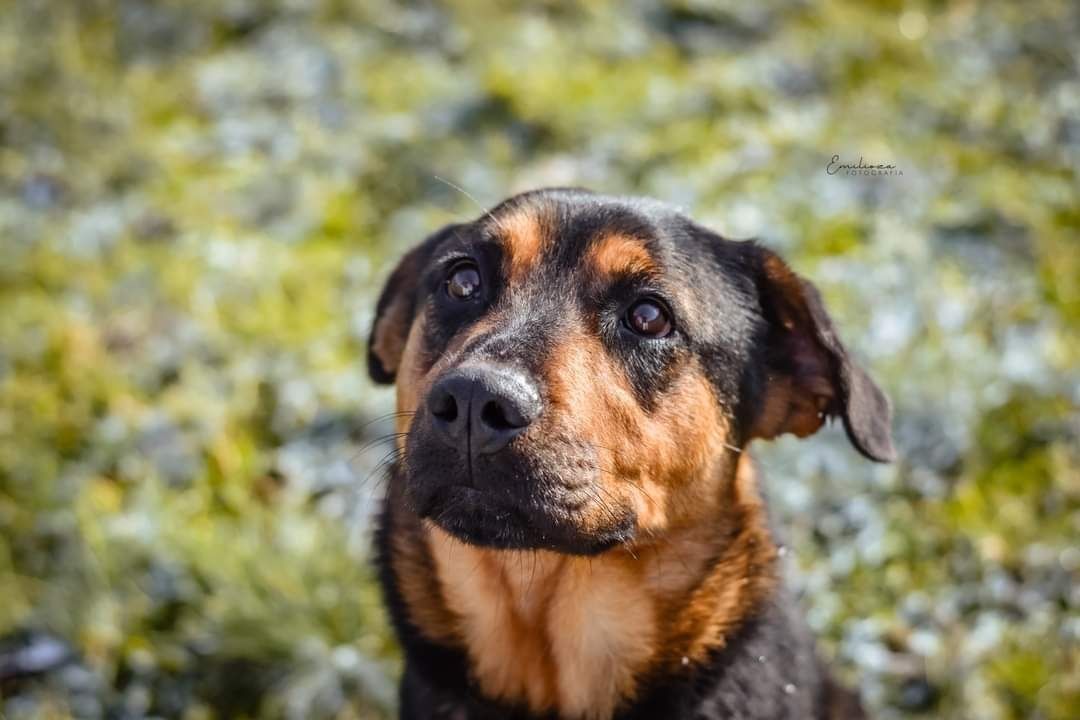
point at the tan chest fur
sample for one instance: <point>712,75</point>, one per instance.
<point>578,634</point>
<point>556,631</point>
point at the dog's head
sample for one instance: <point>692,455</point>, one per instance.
<point>575,371</point>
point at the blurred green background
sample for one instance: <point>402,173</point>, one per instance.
<point>198,201</point>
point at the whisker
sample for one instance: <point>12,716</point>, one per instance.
<point>384,464</point>
<point>735,449</point>
<point>483,212</point>
<point>636,483</point>
<point>359,431</point>
<point>532,574</point>
<point>376,442</point>
<point>602,505</point>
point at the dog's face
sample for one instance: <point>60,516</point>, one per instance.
<point>576,371</point>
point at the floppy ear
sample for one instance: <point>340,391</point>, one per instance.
<point>810,375</point>
<point>396,308</point>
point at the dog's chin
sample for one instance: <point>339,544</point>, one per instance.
<point>476,518</point>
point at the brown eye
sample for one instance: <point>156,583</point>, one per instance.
<point>463,282</point>
<point>649,318</point>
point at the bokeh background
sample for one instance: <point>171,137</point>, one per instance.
<point>199,199</point>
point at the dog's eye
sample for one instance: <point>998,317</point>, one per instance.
<point>649,318</point>
<point>463,282</point>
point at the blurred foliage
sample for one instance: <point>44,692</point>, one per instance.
<point>197,202</point>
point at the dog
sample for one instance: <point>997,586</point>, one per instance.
<point>573,528</point>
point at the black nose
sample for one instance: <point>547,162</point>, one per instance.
<point>480,409</point>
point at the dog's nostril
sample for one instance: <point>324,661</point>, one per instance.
<point>480,410</point>
<point>445,407</point>
<point>494,416</point>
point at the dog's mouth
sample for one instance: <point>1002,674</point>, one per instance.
<point>473,516</point>
<point>521,521</point>
<point>538,492</point>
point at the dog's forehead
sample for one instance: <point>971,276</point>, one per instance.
<point>600,238</point>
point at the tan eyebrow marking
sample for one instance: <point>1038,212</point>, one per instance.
<point>615,255</point>
<point>523,234</point>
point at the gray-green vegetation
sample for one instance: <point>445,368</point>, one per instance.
<point>198,200</point>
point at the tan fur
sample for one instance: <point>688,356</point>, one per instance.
<point>791,406</point>
<point>619,255</point>
<point>418,581</point>
<point>667,464</point>
<point>739,577</point>
<point>557,632</point>
<point>500,599</point>
<point>576,634</point>
<point>411,381</point>
<point>388,340</point>
<point>795,403</point>
<point>523,234</point>
<point>389,336</point>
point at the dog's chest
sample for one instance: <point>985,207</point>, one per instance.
<point>552,632</point>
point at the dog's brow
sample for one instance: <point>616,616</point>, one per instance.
<point>523,235</point>
<point>617,255</point>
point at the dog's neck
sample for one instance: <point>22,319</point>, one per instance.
<point>578,635</point>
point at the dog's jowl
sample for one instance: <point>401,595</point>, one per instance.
<point>573,528</point>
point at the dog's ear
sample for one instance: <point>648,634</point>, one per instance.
<point>810,375</point>
<point>396,308</point>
